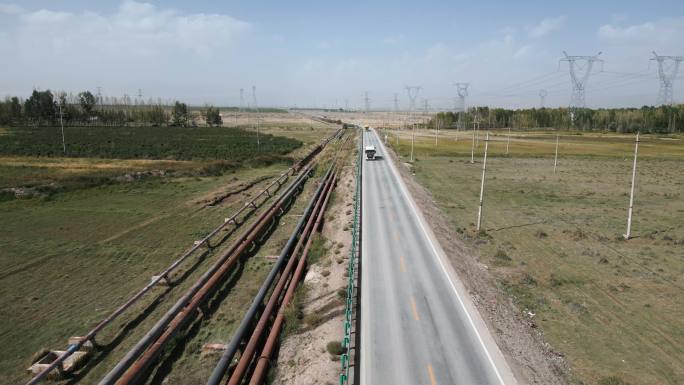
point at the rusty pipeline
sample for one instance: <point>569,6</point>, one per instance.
<point>257,334</point>
<point>251,204</point>
<point>298,234</point>
<point>265,356</point>
<point>189,299</point>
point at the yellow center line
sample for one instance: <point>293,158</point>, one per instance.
<point>415,309</point>
<point>403,264</point>
<point>431,373</point>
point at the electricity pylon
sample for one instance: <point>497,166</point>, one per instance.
<point>542,96</point>
<point>667,74</point>
<point>412,92</point>
<point>366,101</point>
<point>462,90</point>
<point>580,68</point>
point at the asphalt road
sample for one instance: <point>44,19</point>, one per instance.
<point>418,325</point>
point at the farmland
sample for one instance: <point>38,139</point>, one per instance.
<point>67,261</point>
<point>176,143</point>
<point>554,241</point>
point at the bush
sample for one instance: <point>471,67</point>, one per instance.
<point>612,380</point>
<point>317,249</point>
<point>334,348</point>
<point>501,255</point>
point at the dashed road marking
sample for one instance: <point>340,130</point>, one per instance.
<point>415,309</point>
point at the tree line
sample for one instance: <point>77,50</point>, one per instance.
<point>43,108</point>
<point>662,119</point>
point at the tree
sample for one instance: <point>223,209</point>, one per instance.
<point>179,115</point>
<point>40,107</point>
<point>87,101</point>
<point>212,116</point>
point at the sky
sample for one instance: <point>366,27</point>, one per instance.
<point>329,54</point>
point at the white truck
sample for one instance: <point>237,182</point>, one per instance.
<point>370,152</point>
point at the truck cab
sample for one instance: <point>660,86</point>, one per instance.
<point>370,152</point>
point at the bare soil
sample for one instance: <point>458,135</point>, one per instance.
<point>303,358</point>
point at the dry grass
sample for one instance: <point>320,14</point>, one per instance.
<point>613,307</point>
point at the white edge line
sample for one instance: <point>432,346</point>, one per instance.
<point>437,254</point>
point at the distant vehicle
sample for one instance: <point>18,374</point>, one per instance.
<point>367,128</point>
<point>370,152</point>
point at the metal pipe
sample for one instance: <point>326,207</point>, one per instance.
<point>251,204</point>
<point>238,336</point>
<point>255,338</point>
<point>264,357</point>
<point>159,327</point>
<point>112,316</point>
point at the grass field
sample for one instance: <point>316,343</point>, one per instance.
<point>553,241</point>
<point>67,261</point>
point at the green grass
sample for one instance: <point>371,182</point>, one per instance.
<point>554,242</point>
<point>143,143</point>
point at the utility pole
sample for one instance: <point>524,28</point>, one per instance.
<point>256,110</point>
<point>484,168</point>
<point>472,149</point>
<point>628,234</point>
<point>668,67</point>
<point>508,142</point>
<point>241,107</point>
<point>462,90</point>
<point>412,92</point>
<point>555,159</point>
<point>542,96</point>
<point>580,68</point>
<point>61,123</point>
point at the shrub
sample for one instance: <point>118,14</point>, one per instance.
<point>334,348</point>
<point>501,255</point>
<point>317,249</point>
<point>541,234</point>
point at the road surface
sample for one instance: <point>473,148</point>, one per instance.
<point>418,325</point>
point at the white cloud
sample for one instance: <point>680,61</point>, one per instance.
<point>547,26</point>
<point>394,39</point>
<point>665,33</point>
<point>10,9</point>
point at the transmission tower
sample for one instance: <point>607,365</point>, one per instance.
<point>462,90</point>
<point>366,101</point>
<point>668,66</point>
<point>242,99</point>
<point>542,97</point>
<point>412,92</point>
<point>580,68</point>
<point>396,102</point>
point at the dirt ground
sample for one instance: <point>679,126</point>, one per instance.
<point>532,360</point>
<point>303,358</point>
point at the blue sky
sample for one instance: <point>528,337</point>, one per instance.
<point>325,53</point>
